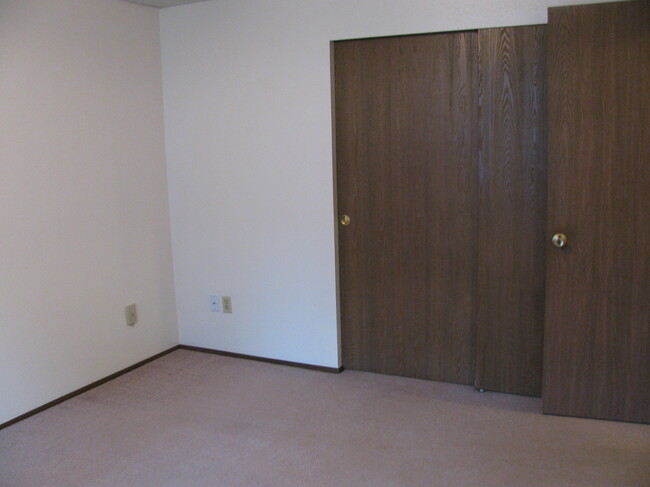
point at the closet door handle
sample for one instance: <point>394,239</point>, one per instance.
<point>559,240</point>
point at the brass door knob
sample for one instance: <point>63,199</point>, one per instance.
<point>345,220</point>
<point>559,240</point>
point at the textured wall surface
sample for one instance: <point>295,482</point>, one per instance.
<point>84,221</point>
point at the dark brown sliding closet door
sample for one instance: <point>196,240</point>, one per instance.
<point>512,223</point>
<point>597,333</point>
<point>407,177</point>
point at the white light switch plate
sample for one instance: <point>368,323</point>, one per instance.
<point>215,303</point>
<point>131,315</point>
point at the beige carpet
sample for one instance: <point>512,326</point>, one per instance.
<point>193,419</point>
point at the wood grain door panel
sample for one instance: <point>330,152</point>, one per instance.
<point>405,117</point>
<point>512,222</point>
<point>597,342</point>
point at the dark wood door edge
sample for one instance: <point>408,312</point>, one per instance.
<point>86,388</point>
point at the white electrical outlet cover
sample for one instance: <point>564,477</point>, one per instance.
<point>226,303</point>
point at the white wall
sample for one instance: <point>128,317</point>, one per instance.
<point>249,152</point>
<point>84,221</point>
